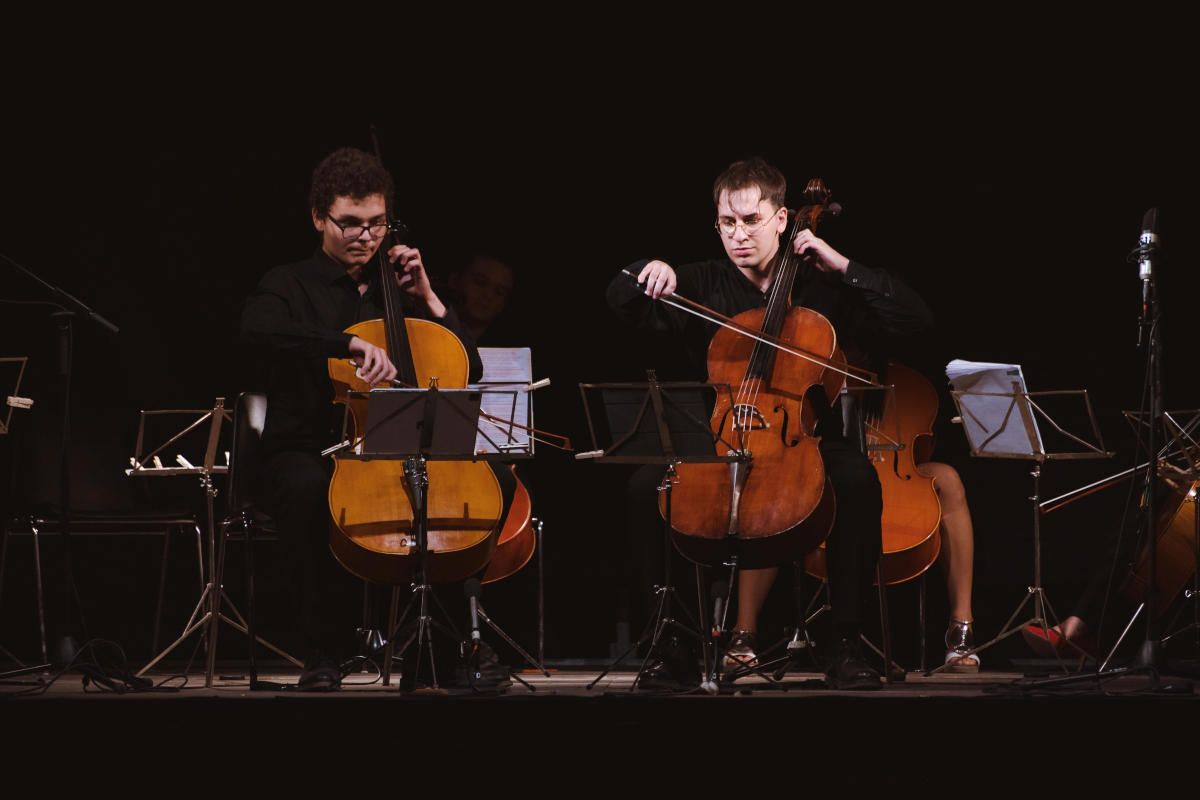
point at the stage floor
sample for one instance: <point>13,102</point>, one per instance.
<point>997,728</point>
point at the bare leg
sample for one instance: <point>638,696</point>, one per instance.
<point>957,556</point>
<point>1071,628</point>
<point>753,587</point>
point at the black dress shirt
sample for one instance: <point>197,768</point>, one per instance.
<point>296,318</point>
<point>865,306</point>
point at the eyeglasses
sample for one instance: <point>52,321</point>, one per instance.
<point>751,226</point>
<point>376,230</point>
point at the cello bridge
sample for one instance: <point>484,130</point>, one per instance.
<point>748,418</point>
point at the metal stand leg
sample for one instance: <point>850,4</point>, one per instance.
<point>206,616</point>
<point>663,620</point>
<point>1043,612</point>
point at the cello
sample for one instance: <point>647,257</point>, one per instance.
<point>911,509</point>
<point>773,502</point>
<point>517,539</point>
<point>1175,550</point>
<point>372,502</point>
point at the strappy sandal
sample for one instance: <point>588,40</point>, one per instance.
<point>960,640</point>
<point>740,653</point>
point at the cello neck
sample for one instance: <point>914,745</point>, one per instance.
<point>399,349</point>
<point>787,267</point>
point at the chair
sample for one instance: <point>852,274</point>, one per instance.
<point>130,522</point>
<point>243,519</point>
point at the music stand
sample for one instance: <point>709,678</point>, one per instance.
<point>999,419</point>
<point>207,614</point>
<point>667,424</point>
<point>506,434</point>
<point>417,426</point>
<point>13,400</point>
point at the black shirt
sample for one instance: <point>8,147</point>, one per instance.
<point>296,318</point>
<point>865,306</point>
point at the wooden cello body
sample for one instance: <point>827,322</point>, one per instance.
<point>774,503</point>
<point>896,442</point>
<point>517,539</point>
<point>1175,555</point>
<point>373,535</point>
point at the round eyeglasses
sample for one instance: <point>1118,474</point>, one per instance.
<point>752,225</point>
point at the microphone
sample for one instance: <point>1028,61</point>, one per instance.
<point>1147,249</point>
<point>1148,245</point>
<point>472,588</point>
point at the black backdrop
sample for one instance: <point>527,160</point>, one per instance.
<point>1009,196</point>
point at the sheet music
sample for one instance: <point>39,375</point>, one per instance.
<point>505,368</point>
<point>996,416</point>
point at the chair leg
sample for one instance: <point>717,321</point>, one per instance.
<point>251,628</point>
<point>41,602</point>
<point>162,587</point>
<point>921,620</point>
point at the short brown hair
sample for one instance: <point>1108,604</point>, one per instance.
<point>352,173</point>
<point>752,172</point>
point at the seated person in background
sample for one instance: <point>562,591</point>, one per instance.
<point>956,559</point>
<point>480,291</point>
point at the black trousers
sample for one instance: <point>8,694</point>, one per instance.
<point>852,548</point>
<point>293,487</point>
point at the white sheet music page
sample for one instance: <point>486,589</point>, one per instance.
<point>505,370</point>
<point>996,415</point>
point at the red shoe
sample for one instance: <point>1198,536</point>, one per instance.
<point>1049,643</point>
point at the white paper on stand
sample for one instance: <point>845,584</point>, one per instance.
<point>505,369</point>
<point>996,414</point>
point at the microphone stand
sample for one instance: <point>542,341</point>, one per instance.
<point>66,646</point>
<point>1150,655</point>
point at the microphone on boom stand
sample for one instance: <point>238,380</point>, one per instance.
<point>1145,253</point>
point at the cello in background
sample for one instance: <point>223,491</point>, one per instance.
<point>1175,554</point>
<point>517,539</point>
<point>911,510</point>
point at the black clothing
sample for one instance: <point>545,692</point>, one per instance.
<point>296,317</point>
<point>866,308</point>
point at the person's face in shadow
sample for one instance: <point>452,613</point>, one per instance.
<point>484,286</point>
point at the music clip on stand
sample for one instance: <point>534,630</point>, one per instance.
<point>999,419</point>
<point>207,615</point>
<point>667,424</point>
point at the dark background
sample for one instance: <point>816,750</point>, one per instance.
<point>1006,182</point>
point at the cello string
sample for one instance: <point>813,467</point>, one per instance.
<point>761,359</point>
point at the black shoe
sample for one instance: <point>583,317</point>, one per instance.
<point>320,674</point>
<point>659,676</point>
<point>848,669</point>
<point>484,671</point>
<point>673,665</point>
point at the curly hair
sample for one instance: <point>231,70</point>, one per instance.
<point>348,172</point>
<point>750,172</point>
